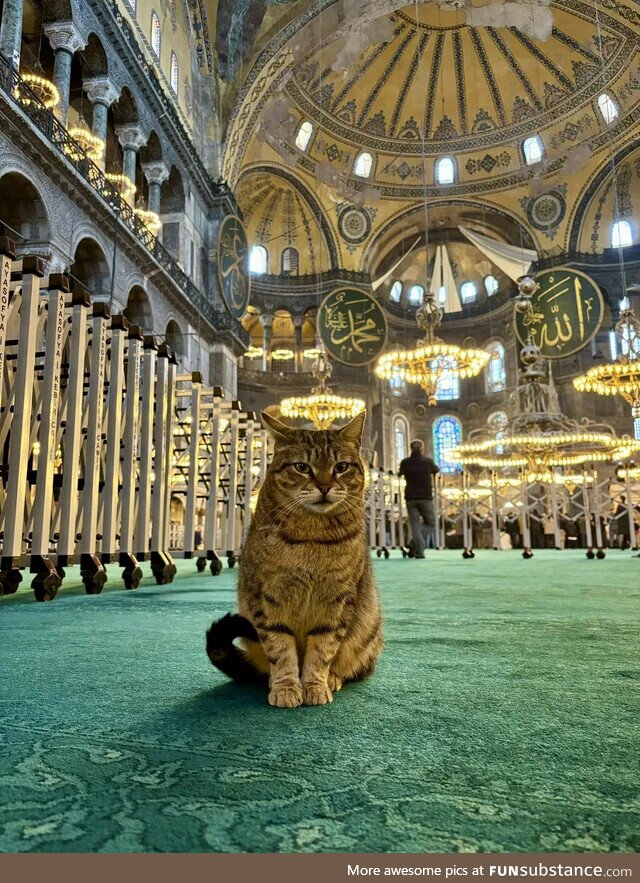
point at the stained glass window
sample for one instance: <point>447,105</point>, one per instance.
<point>496,375</point>
<point>447,432</point>
<point>449,385</point>
<point>400,439</point>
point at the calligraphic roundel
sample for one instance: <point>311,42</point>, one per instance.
<point>566,312</point>
<point>233,268</point>
<point>352,326</point>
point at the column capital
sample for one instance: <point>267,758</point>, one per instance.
<point>298,321</point>
<point>101,89</point>
<point>131,136</point>
<point>64,35</point>
<point>266,319</point>
<point>155,172</point>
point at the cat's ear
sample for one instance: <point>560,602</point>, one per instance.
<point>280,432</point>
<point>352,432</point>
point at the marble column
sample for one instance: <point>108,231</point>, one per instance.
<point>266,320</point>
<point>131,138</point>
<point>102,93</point>
<point>65,40</point>
<point>298,322</point>
<point>11,31</point>
<point>156,174</point>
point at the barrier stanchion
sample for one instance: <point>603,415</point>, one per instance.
<point>132,572</point>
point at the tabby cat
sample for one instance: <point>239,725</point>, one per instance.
<point>309,617</point>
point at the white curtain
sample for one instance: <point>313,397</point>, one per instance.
<point>443,275</point>
<point>513,260</point>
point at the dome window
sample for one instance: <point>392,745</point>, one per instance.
<point>363,165</point>
<point>416,295</point>
<point>621,235</point>
<point>442,295</point>
<point>533,150</point>
<point>175,72</point>
<point>156,34</point>
<point>608,108</point>
<point>132,5</point>
<point>396,292</point>
<point>290,261</point>
<point>468,292</point>
<point>447,433</point>
<point>258,259</point>
<point>491,285</point>
<point>304,135</point>
<point>445,170</point>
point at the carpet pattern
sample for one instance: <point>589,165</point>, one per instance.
<point>503,716</point>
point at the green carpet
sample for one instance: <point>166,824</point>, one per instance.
<point>503,716</point>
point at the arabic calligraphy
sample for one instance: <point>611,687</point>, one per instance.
<point>232,265</point>
<point>566,313</point>
<point>352,326</point>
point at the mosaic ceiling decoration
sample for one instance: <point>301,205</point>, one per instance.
<point>435,78</point>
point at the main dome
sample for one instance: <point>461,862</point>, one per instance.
<point>428,81</point>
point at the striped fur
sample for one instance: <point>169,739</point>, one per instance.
<point>306,584</point>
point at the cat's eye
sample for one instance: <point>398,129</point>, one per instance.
<point>302,467</point>
<point>341,468</point>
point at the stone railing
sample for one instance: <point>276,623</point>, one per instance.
<point>44,120</point>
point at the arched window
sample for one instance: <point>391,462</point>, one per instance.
<point>636,428</point>
<point>397,385</point>
<point>495,372</point>
<point>304,135</point>
<point>445,170</point>
<point>533,149</point>
<point>132,5</point>
<point>156,34</point>
<point>621,235</point>
<point>608,108</point>
<point>290,260</point>
<point>468,292</point>
<point>363,165</point>
<point>175,72</point>
<point>447,432</point>
<point>498,422</point>
<point>491,285</point>
<point>400,440</point>
<point>442,295</point>
<point>416,295</point>
<point>258,259</point>
<point>448,387</point>
<point>396,292</point>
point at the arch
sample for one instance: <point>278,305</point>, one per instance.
<point>93,58</point>
<point>496,373</point>
<point>447,432</point>
<point>400,432</point>
<point>152,150</point>
<point>23,210</point>
<point>175,338</point>
<point>125,109</point>
<point>173,195</point>
<point>91,267</point>
<point>290,261</point>
<point>445,170</point>
<point>138,309</point>
<point>468,292</point>
<point>416,295</point>
<point>309,197</point>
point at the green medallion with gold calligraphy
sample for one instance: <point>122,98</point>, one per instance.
<point>566,313</point>
<point>233,272</point>
<point>352,326</point>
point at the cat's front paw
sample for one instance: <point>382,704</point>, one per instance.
<point>317,694</point>
<point>286,697</point>
<point>333,682</point>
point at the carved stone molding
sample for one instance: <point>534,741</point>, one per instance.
<point>155,172</point>
<point>64,35</point>
<point>101,89</point>
<point>131,136</point>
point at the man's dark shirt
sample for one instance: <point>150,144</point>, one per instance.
<point>417,471</point>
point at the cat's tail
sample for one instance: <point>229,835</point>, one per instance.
<point>223,653</point>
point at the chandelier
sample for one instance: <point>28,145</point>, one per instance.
<point>150,220</point>
<point>123,185</point>
<point>84,143</point>
<point>431,359</point>
<point>621,377</point>
<point>39,87</point>
<point>322,407</point>
<point>540,437</point>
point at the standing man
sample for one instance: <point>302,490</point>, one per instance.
<point>418,472</point>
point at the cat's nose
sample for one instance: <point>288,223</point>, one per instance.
<point>324,489</point>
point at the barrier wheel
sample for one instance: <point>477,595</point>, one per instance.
<point>216,567</point>
<point>9,582</point>
<point>231,560</point>
<point>590,554</point>
<point>601,554</point>
<point>131,578</point>
<point>527,554</point>
<point>201,563</point>
<point>378,552</point>
<point>94,583</point>
<point>45,587</point>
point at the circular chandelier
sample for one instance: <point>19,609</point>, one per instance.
<point>43,89</point>
<point>84,143</point>
<point>431,359</point>
<point>621,377</point>
<point>322,407</point>
<point>123,185</point>
<point>150,220</point>
<point>254,352</point>
<point>540,437</point>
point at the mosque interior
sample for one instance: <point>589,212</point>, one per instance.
<point>427,209</point>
